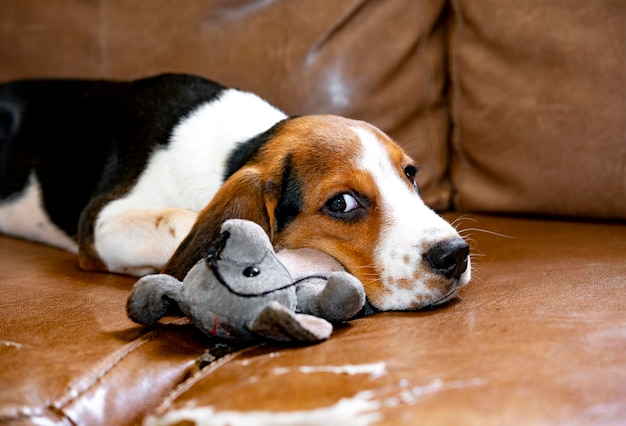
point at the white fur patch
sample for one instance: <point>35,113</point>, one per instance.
<point>189,171</point>
<point>24,216</point>
<point>182,176</point>
<point>409,228</point>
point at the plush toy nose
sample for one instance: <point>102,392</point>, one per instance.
<point>247,242</point>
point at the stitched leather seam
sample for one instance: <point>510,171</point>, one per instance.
<point>25,412</point>
<point>169,399</point>
<point>9,414</point>
<point>84,383</point>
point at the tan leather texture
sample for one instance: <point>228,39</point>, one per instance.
<point>67,350</point>
<point>538,105</point>
<point>537,337</point>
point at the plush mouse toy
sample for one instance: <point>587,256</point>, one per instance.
<point>243,290</point>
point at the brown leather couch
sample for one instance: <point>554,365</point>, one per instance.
<point>516,113</point>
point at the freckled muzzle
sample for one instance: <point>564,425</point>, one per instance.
<point>448,258</point>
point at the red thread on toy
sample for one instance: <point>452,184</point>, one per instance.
<point>215,322</point>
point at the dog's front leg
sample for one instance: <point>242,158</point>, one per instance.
<point>137,242</point>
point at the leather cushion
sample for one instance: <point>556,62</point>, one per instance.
<point>536,338</point>
<point>68,352</point>
<point>538,107</point>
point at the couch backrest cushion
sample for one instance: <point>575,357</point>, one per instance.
<point>383,62</point>
<point>539,106</point>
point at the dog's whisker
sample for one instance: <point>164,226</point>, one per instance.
<point>475,255</point>
<point>373,277</point>
<point>457,222</point>
<point>365,267</point>
<point>486,231</point>
<point>468,238</point>
<point>463,232</point>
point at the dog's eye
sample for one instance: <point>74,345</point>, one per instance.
<point>410,172</point>
<point>342,203</point>
<point>347,207</point>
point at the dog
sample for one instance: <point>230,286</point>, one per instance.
<point>137,177</point>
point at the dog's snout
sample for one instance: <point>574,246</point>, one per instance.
<point>449,258</point>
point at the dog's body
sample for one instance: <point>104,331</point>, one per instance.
<point>137,177</point>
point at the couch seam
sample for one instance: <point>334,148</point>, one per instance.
<point>26,412</point>
<point>455,114</point>
<point>429,98</point>
<point>102,58</point>
<point>85,382</point>
<point>185,385</point>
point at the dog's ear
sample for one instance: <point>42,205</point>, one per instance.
<point>243,196</point>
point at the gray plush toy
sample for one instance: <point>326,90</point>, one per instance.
<point>243,290</point>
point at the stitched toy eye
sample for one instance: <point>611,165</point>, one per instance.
<point>342,203</point>
<point>251,271</point>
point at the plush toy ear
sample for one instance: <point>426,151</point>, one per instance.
<point>151,296</point>
<point>243,196</point>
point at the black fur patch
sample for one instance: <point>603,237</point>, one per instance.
<point>291,202</point>
<point>246,151</point>
<point>83,138</point>
<point>11,181</point>
<point>8,121</point>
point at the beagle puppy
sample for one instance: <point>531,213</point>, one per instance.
<point>137,177</point>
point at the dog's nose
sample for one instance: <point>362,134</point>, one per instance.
<point>449,258</point>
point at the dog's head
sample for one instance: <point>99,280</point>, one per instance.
<point>344,188</point>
